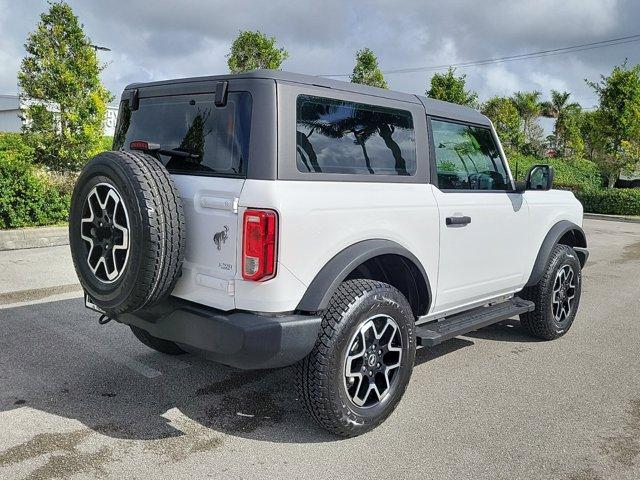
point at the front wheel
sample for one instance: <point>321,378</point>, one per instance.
<point>556,295</point>
<point>362,361</point>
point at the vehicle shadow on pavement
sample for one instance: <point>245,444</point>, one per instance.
<point>424,355</point>
<point>57,359</point>
<point>506,331</point>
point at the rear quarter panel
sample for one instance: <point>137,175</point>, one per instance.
<point>319,219</point>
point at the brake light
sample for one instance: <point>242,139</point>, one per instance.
<point>143,145</point>
<point>259,233</point>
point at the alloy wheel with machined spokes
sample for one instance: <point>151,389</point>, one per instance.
<point>104,227</point>
<point>361,363</point>
<point>564,292</point>
<point>373,359</point>
<point>556,295</point>
<point>126,231</point>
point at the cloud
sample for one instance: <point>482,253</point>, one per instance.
<point>546,82</point>
<point>500,81</point>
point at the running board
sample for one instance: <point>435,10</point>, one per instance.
<point>437,332</point>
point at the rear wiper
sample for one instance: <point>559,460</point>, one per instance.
<point>157,148</point>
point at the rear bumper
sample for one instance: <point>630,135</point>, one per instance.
<point>239,339</point>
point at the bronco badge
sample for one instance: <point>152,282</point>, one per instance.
<point>221,237</point>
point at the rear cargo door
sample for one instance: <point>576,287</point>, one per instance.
<point>204,146</point>
<point>210,207</point>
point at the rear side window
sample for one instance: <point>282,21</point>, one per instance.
<point>217,137</point>
<point>336,136</point>
<point>467,158</point>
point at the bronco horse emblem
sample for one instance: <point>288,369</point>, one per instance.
<point>221,237</point>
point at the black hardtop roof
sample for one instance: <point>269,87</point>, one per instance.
<point>433,107</point>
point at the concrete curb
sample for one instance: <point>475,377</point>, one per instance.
<point>33,237</point>
<point>613,218</point>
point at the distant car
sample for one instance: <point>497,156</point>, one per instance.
<point>268,219</point>
<point>629,180</point>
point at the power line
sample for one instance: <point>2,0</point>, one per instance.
<point>510,58</point>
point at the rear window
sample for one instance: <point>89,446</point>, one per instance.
<point>218,137</point>
<point>336,136</point>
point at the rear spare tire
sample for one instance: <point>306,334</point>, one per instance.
<point>126,231</point>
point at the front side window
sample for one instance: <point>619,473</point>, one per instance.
<point>467,158</point>
<point>217,138</point>
<point>336,136</point>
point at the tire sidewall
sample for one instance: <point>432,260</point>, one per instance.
<point>564,256</point>
<point>101,169</point>
<point>383,301</point>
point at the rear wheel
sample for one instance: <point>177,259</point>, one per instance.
<point>557,296</point>
<point>362,362</point>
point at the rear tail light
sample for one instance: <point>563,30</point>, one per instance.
<point>259,233</point>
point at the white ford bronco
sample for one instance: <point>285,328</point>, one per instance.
<point>269,219</point>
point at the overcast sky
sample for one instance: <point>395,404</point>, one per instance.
<point>152,40</point>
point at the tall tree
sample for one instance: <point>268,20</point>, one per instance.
<point>560,109</point>
<point>592,135</point>
<point>59,81</point>
<point>506,120</point>
<point>451,88</point>
<point>528,106</point>
<point>253,50</point>
<point>619,120</point>
<point>366,70</point>
<point>572,142</point>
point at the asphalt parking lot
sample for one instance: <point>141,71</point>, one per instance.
<point>78,400</point>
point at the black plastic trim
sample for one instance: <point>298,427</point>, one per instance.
<point>240,339</point>
<point>583,255</point>
<point>550,241</point>
<point>221,94</point>
<point>340,266</point>
<point>135,100</point>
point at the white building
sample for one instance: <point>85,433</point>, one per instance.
<point>11,118</point>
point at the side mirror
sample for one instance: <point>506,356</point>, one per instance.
<point>540,177</point>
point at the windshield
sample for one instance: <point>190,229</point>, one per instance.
<point>216,137</point>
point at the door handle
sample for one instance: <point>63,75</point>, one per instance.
<point>457,220</point>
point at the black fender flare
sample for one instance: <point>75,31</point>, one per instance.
<point>330,276</point>
<point>556,232</point>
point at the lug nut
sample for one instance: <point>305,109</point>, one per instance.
<point>370,373</point>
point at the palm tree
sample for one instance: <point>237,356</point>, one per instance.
<point>558,108</point>
<point>359,123</point>
<point>529,109</point>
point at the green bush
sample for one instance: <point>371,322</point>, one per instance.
<point>106,143</point>
<point>611,201</point>
<point>13,144</point>
<point>574,174</point>
<point>28,196</point>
